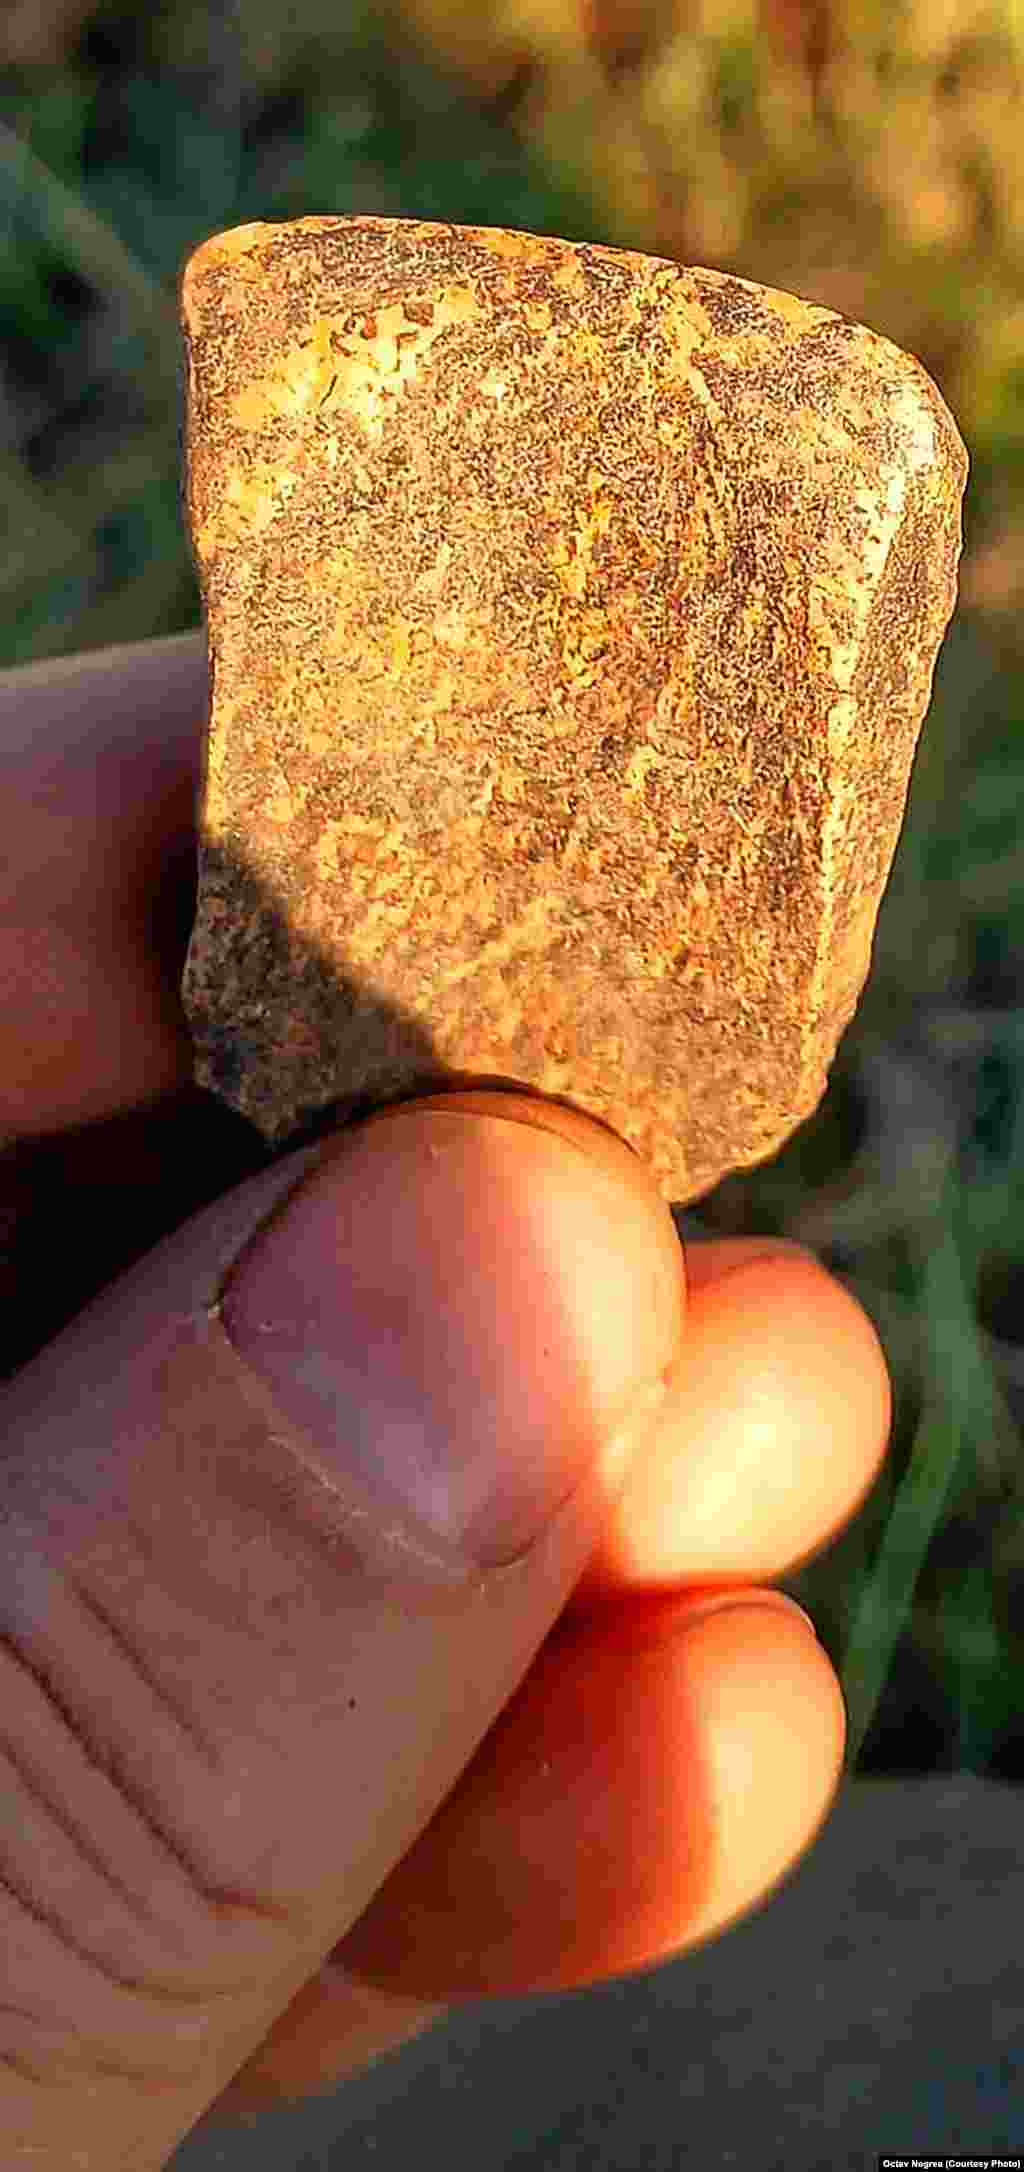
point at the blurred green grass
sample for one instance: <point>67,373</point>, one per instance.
<point>867,156</point>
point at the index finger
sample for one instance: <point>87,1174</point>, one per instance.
<point>101,760</point>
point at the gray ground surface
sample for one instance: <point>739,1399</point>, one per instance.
<point>875,2004</point>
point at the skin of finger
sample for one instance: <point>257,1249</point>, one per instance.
<point>776,1425</point>
<point>97,881</point>
<point>311,2045</point>
<point>330,2033</point>
<point>148,1471</point>
<point>591,1847</point>
<point>371,2035</point>
<point>629,1804</point>
<point>830,1415</point>
<point>333,2030</point>
<point>326,2033</point>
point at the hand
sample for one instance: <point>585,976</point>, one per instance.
<point>289,1767</point>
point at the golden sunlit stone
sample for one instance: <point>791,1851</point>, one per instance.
<point>572,617</point>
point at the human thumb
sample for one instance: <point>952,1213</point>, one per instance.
<point>288,1511</point>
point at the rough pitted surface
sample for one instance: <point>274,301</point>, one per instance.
<point>572,617</point>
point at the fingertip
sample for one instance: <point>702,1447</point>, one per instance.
<point>629,1190</point>
<point>775,1430</point>
<point>499,1304</point>
<point>582,1129</point>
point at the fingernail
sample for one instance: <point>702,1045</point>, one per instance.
<point>761,1601</point>
<point>462,1313</point>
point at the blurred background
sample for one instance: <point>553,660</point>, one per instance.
<point>867,156</point>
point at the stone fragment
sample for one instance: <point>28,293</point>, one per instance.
<point>572,616</point>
